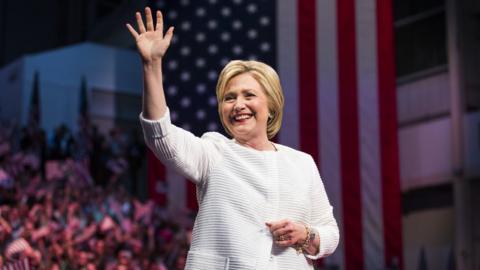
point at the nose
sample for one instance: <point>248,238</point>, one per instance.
<point>239,105</point>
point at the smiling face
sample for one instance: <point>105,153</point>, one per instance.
<point>265,90</point>
<point>244,108</point>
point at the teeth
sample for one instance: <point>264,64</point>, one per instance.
<point>241,117</point>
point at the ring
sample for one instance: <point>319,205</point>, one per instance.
<point>280,238</point>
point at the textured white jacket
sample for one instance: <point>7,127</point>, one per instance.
<point>238,190</point>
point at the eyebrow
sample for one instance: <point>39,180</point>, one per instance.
<point>242,91</point>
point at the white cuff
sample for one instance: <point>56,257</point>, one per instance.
<point>323,246</point>
<point>156,129</point>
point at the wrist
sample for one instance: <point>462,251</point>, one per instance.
<point>305,235</point>
<point>152,63</point>
<point>312,248</point>
<point>305,244</point>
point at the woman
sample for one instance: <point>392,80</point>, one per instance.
<point>262,205</point>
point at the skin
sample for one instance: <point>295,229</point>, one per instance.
<point>294,233</point>
<point>245,112</point>
<point>152,45</point>
<point>244,96</point>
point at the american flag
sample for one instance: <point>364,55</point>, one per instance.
<point>208,34</point>
<point>22,264</point>
<point>336,62</point>
<point>13,250</point>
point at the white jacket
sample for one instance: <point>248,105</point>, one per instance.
<point>238,190</point>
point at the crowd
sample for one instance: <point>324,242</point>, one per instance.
<point>64,205</point>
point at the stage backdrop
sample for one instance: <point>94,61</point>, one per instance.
<point>336,63</point>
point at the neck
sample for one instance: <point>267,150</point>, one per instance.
<point>262,144</point>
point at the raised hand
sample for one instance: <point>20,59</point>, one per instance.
<point>152,44</point>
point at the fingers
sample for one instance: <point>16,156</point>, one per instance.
<point>277,224</point>
<point>285,232</point>
<point>285,242</point>
<point>282,231</point>
<point>284,238</point>
<point>169,35</point>
<point>149,19</point>
<point>141,26</point>
<point>132,31</point>
<point>159,26</point>
<point>149,23</point>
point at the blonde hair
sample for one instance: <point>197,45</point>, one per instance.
<point>267,78</point>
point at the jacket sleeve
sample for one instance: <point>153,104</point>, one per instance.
<point>322,218</point>
<point>189,155</point>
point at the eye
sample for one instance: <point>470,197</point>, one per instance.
<point>249,95</point>
<point>228,98</point>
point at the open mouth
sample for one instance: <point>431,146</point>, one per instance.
<point>239,118</point>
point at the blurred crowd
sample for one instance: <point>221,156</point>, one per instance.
<point>65,204</point>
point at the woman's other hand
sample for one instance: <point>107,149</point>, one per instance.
<point>287,233</point>
<point>152,44</point>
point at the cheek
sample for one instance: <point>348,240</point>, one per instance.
<point>224,115</point>
<point>263,109</point>
<point>223,111</point>
<point>226,110</point>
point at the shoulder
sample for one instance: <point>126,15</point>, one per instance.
<point>215,137</point>
<point>303,162</point>
<point>294,153</point>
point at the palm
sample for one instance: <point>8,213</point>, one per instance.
<point>152,46</point>
<point>151,43</point>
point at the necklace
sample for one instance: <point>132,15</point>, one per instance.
<point>274,147</point>
<point>246,145</point>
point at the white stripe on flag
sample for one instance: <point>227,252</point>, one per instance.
<point>287,61</point>
<point>328,114</point>
<point>371,186</point>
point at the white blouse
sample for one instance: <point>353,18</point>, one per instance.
<point>238,190</point>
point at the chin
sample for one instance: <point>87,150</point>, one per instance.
<point>238,133</point>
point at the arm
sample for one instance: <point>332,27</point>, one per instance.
<point>179,149</point>
<point>323,221</point>
<point>176,147</point>
<point>152,46</point>
<point>321,230</point>
<point>6,226</point>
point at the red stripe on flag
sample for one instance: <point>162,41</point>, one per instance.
<point>307,81</point>
<point>307,63</point>
<point>155,172</point>
<point>390,172</point>
<point>191,196</point>
<point>349,135</point>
